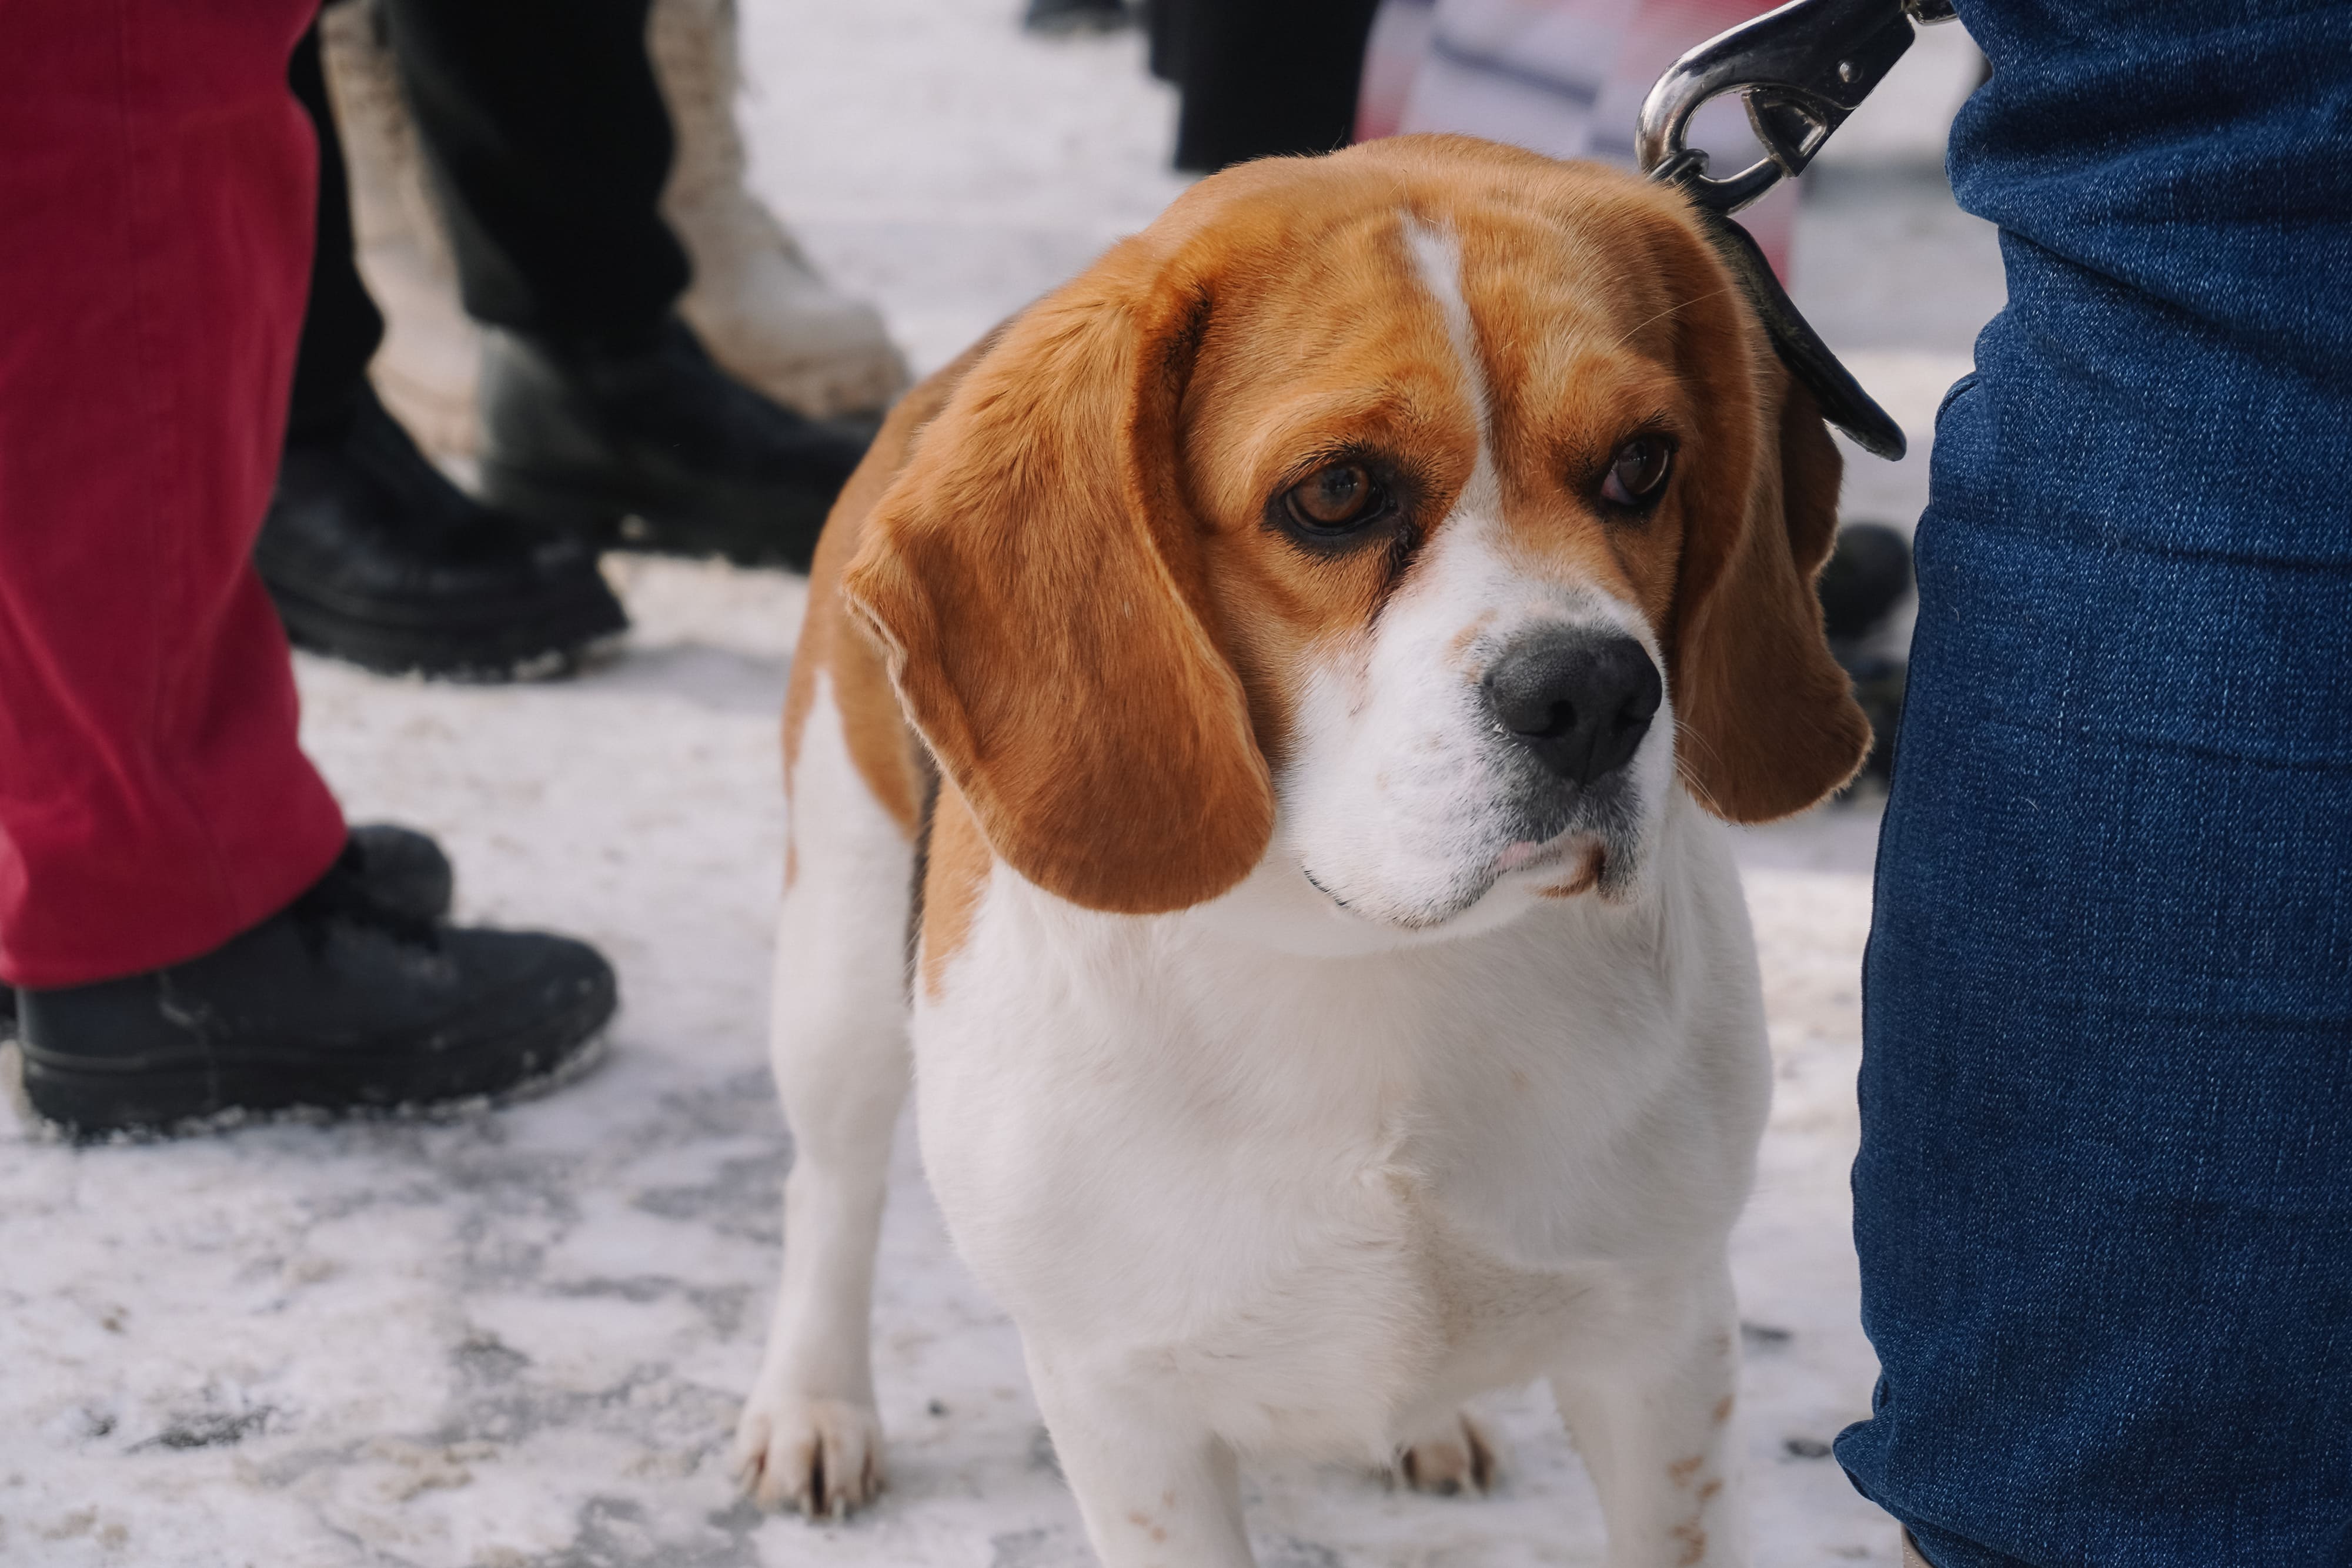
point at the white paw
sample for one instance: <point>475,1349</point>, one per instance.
<point>822,1456</point>
<point>1457,1457</point>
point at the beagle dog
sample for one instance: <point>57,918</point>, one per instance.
<point>1256,759</point>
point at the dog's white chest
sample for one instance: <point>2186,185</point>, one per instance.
<point>1322,1196</point>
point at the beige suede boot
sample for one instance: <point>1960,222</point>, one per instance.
<point>432,349</point>
<point>1911,1558</point>
<point>756,302</point>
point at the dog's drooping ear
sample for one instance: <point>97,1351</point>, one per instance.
<point>1033,577</point>
<point>1768,718</point>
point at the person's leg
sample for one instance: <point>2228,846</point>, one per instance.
<point>190,928</point>
<point>155,180</point>
<point>769,315</point>
<point>371,553</point>
<point>1263,79</point>
<point>545,133</point>
<point>2104,1201</point>
<point>342,328</point>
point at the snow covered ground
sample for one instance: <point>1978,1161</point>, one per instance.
<point>517,1341</point>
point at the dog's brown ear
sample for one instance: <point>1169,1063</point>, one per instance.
<point>1033,577</point>
<point>1767,721</point>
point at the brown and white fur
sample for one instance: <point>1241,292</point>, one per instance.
<point>1286,1086</point>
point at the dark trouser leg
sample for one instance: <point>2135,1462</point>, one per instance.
<point>1263,78</point>
<point>342,328</point>
<point>2104,1201</point>
<point>158,178</point>
<point>548,145</point>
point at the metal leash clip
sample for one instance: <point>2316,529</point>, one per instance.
<point>1800,70</point>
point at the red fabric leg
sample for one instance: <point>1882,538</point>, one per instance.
<point>156,181</point>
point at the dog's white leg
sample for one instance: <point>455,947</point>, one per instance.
<point>1157,1488</point>
<point>809,1437</point>
<point>1650,1401</point>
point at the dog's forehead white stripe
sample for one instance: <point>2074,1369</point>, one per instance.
<point>1437,257</point>
<point>1437,260</point>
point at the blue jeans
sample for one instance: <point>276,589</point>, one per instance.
<point>2104,1201</point>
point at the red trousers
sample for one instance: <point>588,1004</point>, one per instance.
<point>156,183</point>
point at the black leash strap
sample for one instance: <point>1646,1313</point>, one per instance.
<point>1800,70</point>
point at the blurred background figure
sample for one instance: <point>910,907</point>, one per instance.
<point>1258,80</point>
<point>1564,77</point>
<point>519,158</point>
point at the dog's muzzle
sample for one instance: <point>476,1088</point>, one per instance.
<point>1578,701</point>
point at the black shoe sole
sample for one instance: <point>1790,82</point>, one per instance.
<point>86,1103</point>
<point>1079,21</point>
<point>533,644</point>
<point>778,532</point>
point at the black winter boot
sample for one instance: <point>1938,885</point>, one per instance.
<point>373,555</point>
<point>1865,578</point>
<point>1867,574</point>
<point>403,868</point>
<point>340,1002</point>
<point>657,449</point>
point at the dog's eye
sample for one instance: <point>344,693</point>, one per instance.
<point>1639,471</point>
<point>1333,500</point>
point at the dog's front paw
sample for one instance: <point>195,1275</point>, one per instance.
<point>823,1457</point>
<point>1457,1458</point>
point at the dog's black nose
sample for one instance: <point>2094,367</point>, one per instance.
<point>1580,701</point>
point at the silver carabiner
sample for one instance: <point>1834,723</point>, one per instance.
<point>1801,69</point>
